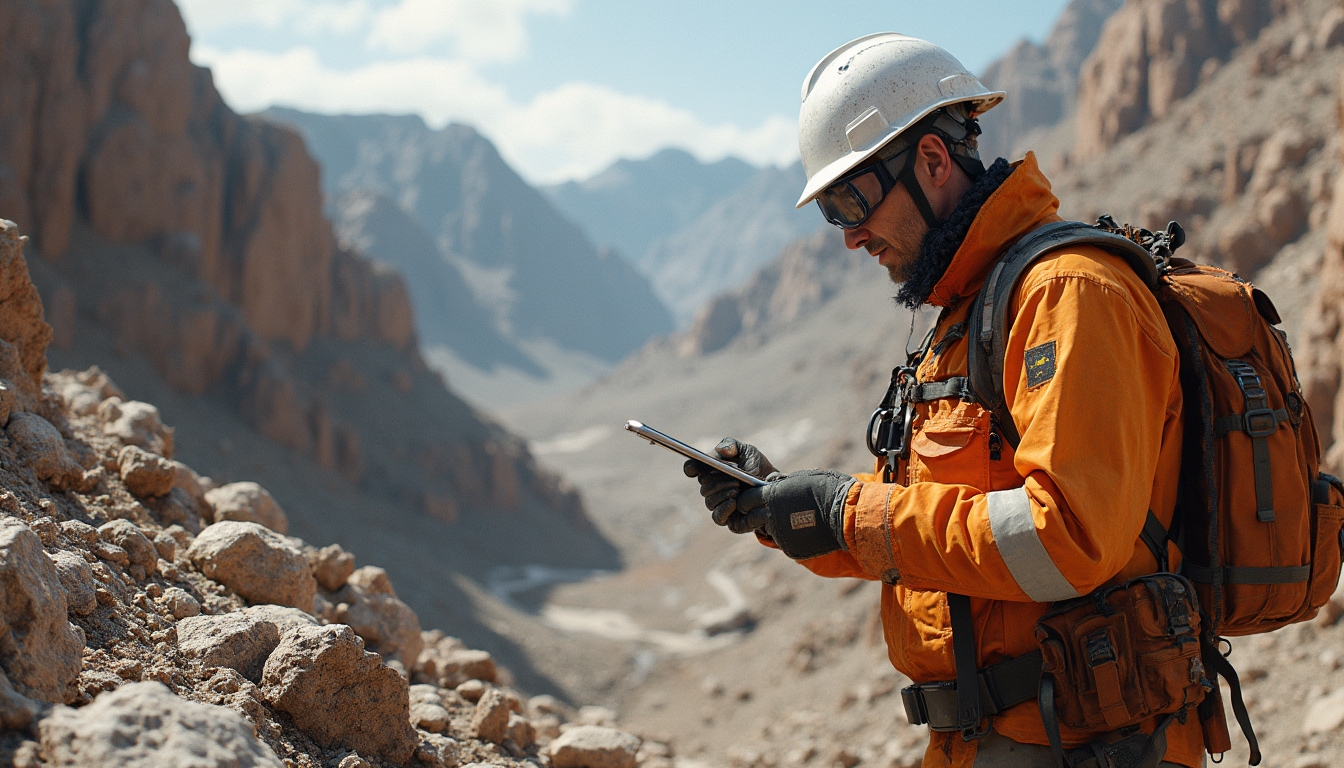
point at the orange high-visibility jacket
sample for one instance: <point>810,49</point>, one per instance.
<point>1061,516</point>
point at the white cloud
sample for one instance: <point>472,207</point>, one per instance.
<point>480,31</point>
<point>568,132</point>
<point>307,17</point>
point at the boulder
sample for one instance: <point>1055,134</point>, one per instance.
<point>331,566</point>
<point>389,626</point>
<point>40,651</point>
<point>42,447</point>
<point>254,561</point>
<point>181,603</point>
<point>1245,246</point>
<point>447,661</point>
<point>490,721</point>
<point>249,502</point>
<point>128,536</point>
<point>339,694</point>
<point>144,724</point>
<point>146,474</point>
<point>237,640</point>
<point>77,580</point>
<point>594,746</point>
<point>136,423</point>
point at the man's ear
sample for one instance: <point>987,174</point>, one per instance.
<point>935,159</point>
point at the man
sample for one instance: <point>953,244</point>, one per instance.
<point>888,140</point>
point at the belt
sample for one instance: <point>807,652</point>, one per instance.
<point>1002,686</point>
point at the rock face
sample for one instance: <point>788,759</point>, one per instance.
<point>255,562</point>
<point>143,725</point>
<point>248,502</point>
<point>116,150</point>
<point>1155,54</point>
<point>339,694</point>
<point>39,649</point>
<point>1041,81</point>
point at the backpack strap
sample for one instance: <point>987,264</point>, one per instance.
<point>989,315</point>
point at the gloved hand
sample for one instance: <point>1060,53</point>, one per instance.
<point>803,512</point>
<point>720,490</point>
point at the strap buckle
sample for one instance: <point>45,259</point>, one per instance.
<point>1262,416</point>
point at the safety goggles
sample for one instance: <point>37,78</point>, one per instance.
<point>850,201</point>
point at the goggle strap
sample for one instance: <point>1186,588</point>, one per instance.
<point>911,184</point>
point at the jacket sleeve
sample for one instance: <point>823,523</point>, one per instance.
<point>1092,417</point>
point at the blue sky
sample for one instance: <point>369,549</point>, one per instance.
<point>564,87</point>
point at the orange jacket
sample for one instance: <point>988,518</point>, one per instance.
<point>1061,516</point>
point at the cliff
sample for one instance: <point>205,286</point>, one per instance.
<point>195,238</point>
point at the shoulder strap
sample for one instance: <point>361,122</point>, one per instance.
<point>989,313</point>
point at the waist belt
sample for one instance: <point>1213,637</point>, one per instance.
<point>1002,686</point>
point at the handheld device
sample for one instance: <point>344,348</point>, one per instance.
<point>672,444</point>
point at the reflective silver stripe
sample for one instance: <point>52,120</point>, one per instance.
<point>1021,547</point>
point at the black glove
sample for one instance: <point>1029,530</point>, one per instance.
<point>720,490</point>
<point>803,512</point>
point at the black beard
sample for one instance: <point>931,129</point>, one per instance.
<point>940,243</point>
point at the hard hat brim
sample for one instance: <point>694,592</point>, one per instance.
<point>828,175</point>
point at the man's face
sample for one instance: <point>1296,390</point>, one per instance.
<point>892,234</point>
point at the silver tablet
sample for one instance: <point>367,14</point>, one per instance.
<point>671,443</point>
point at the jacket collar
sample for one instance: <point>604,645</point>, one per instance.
<point>1021,204</point>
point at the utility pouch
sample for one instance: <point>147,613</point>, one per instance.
<point>1121,656</point>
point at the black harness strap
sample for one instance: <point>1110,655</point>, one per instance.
<point>963,651</point>
<point>1221,667</point>
<point>1154,536</point>
<point>957,386</point>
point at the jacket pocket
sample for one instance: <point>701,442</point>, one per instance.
<point>951,451</point>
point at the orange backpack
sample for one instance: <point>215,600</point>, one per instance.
<point>1258,525</point>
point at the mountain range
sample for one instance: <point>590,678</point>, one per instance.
<point>501,277</point>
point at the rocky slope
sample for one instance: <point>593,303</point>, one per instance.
<point>171,230</point>
<point>798,678</point>
<point>150,616</point>
<point>534,276</point>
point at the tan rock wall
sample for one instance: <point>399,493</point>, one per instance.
<point>1151,54</point>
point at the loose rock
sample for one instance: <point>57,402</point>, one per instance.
<point>181,603</point>
<point>427,710</point>
<point>389,626</point>
<point>1326,715</point>
<point>146,474</point>
<point>490,722</point>
<point>520,731</point>
<point>255,562</point>
<point>43,448</point>
<point>77,580</point>
<point>39,649</point>
<point>339,694</point>
<point>283,617</point>
<point>125,534</point>
<point>137,423</point>
<point>331,566</point>
<point>236,640</point>
<point>144,724</point>
<point>594,746</point>
<point>248,502</point>
<point>372,580</point>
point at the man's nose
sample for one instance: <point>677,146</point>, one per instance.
<point>855,238</point>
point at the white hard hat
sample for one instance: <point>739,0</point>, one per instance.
<point>868,91</point>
